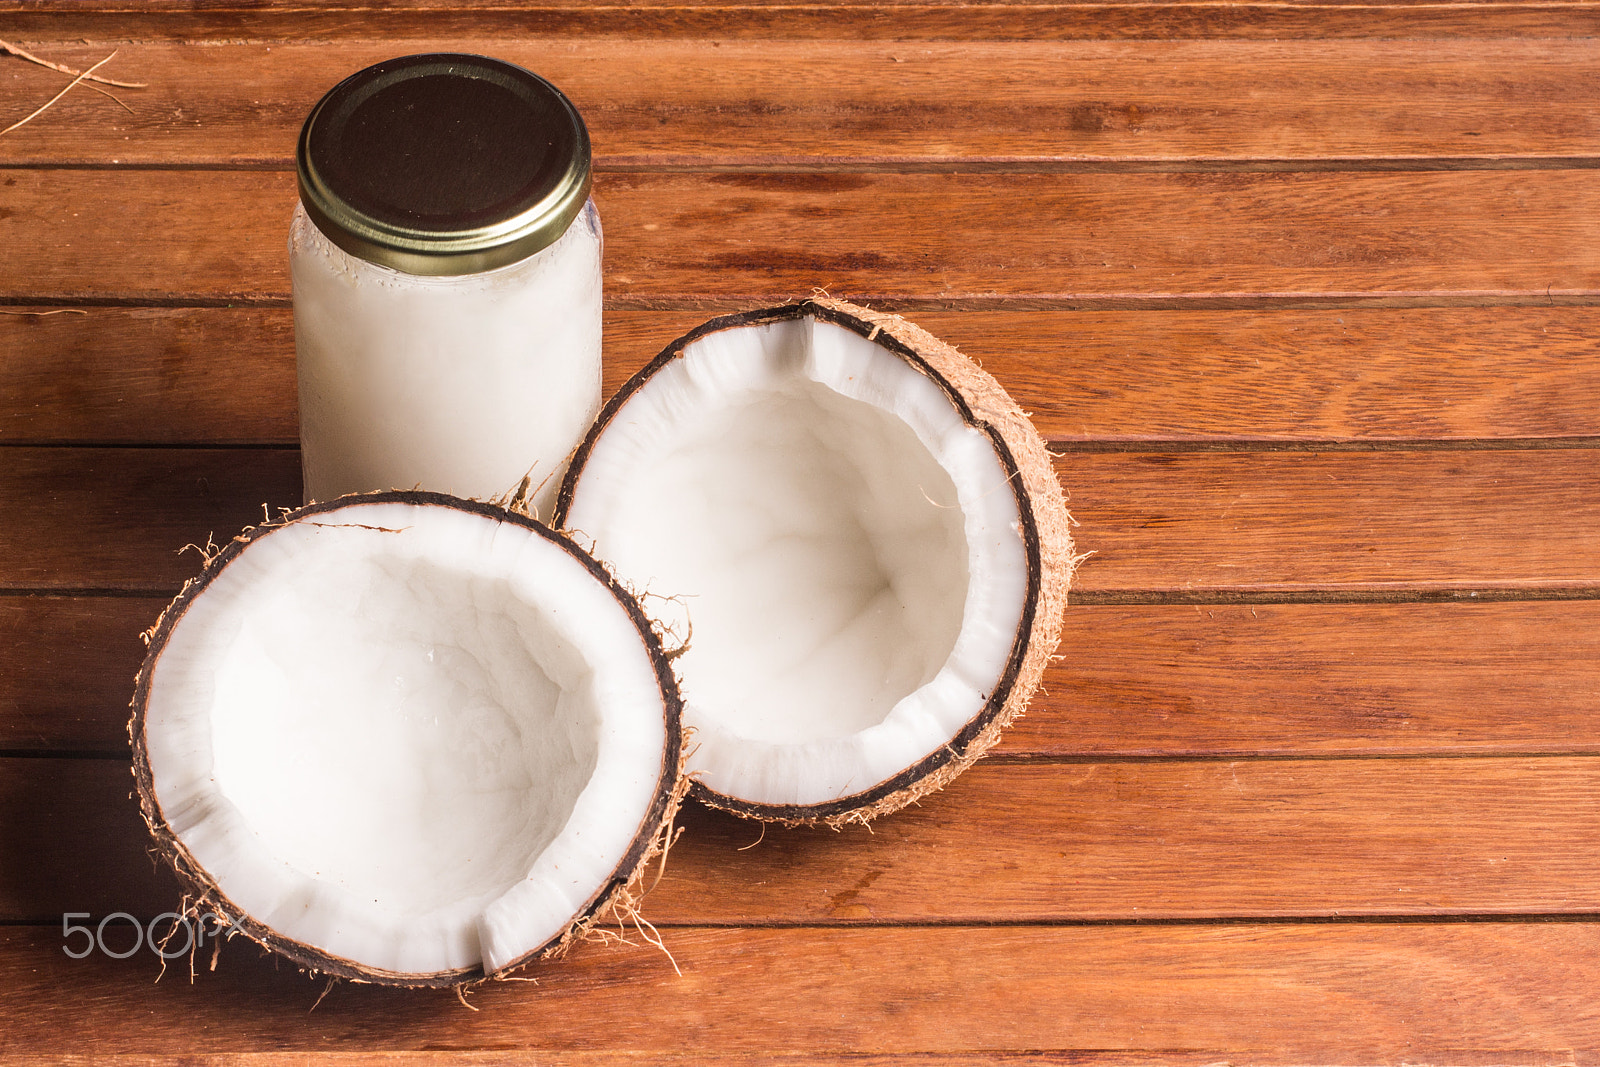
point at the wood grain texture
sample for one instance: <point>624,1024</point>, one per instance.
<point>674,1058</point>
<point>1330,679</point>
<point>670,1058</point>
<point>1304,294</point>
<point>1114,842</point>
<point>764,1058</point>
<point>150,376</point>
<point>73,840</point>
<point>724,240</point>
<point>1047,843</point>
<point>1207,378</point>
<point>1379,523</point>
<point>66,672</point>
<point>843,104</point>
<point>95,518</point>
<point>1316,20</point>
<point>1136,681</point>
<point>1367,991</point>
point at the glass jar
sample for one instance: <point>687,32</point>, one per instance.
<point>445,261</point>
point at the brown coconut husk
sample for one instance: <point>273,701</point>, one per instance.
<point>1047,535</point>
<point>617,899</point>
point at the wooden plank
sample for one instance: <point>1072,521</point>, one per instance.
<point>960,933</point>
<point>592,1058</point>
<point>721,240</point>
<point>1356,375</point>
<point>221,376</point>
<point>853,104</point>
<point>1162,525</point>
<point>1187,840</point>
<point>73,841</point>
<point>149,376</point>
<point>92,518</point>
<point>1037,842</point>
<point>1378,993</point>
<point>706,1058</point>
<point>1137,681</point>
<point>38,20</point>
<point>68,671</point>
<point>1332,679</point>
<point>1382,523</point>
<point>764,1058</point>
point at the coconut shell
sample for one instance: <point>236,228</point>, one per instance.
<point>202,896</point>
<point>1046,531</point>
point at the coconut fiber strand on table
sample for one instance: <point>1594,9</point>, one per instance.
<point>1304,299</point>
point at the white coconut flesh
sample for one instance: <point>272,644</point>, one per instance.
<point>410,737</point>
<point>846,546</point>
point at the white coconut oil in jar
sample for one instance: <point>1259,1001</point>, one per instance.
<point>445,259</point>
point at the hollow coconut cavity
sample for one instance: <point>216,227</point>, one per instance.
<point>859,533</point>
<point>406,738</point>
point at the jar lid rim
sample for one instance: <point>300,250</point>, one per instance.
<point>443,163</point>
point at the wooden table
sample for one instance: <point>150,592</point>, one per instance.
<point>1304,295</point>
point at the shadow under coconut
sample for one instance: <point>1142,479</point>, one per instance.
<point>72,841</point>
<point>599,996</point>
<point>727,869</point>
<point>253,1000</point>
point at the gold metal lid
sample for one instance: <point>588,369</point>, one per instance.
<point>443,164</point>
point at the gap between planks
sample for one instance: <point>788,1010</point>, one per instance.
<point>1050,760</point>
<point>1057,446</point>
<point>1486,593</point>
<point>727,304</point>
<point>1066,446</point>
<point>953,165</point>
<point>1513,918</point>
<point>235,23</point>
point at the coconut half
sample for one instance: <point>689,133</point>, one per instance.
<point>867,537</point>
<point>406,738</point>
